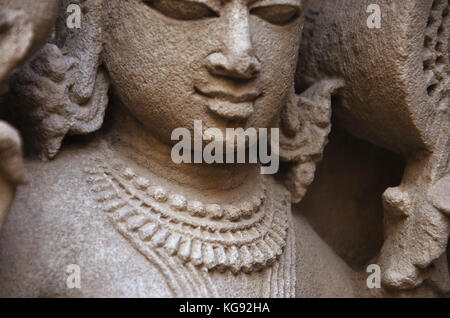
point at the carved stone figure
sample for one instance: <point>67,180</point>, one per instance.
<point>137,224</point>
<point>24,25</point>
<point>402,106</point>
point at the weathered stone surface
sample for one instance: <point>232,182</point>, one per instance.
<point>138,224</point>
<point>396,96</point>
<point>24,25</point>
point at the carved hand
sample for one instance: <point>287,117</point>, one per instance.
<point>10,166</point>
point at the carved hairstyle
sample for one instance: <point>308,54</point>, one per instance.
<point>63,90</point>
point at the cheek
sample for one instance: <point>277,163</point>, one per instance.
<point>277,48</point>
<point>153,65</point>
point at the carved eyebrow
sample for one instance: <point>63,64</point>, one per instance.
<point>213,4</point>
<point>297,3</point>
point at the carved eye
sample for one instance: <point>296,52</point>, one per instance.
<point>182,9</point>
<point>277,14</point>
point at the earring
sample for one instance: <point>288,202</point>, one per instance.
<point>305,124</point>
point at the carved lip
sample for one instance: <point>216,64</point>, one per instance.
<point>225,104</point>
<point>241,97</point>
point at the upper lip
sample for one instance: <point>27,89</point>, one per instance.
<point>243,96</point>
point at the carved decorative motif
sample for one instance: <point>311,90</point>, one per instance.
<point>435,54</point>
<point>237,237</point>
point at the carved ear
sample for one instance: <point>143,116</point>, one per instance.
<point>64,90</point>
<point>305,125</point>
<point>16,34</point>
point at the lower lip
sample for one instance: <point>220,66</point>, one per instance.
<point>226,109</point>
<point>229,110</point>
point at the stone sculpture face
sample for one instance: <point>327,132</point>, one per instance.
<point>176,61</point>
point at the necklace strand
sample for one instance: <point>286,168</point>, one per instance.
<point>239,237</point>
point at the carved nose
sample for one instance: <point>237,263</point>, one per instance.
<point>236,59</point>
<point>242,66</point>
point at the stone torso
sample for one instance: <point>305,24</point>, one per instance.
<point>127,243</point>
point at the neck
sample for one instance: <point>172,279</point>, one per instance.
<point>132,142</point>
